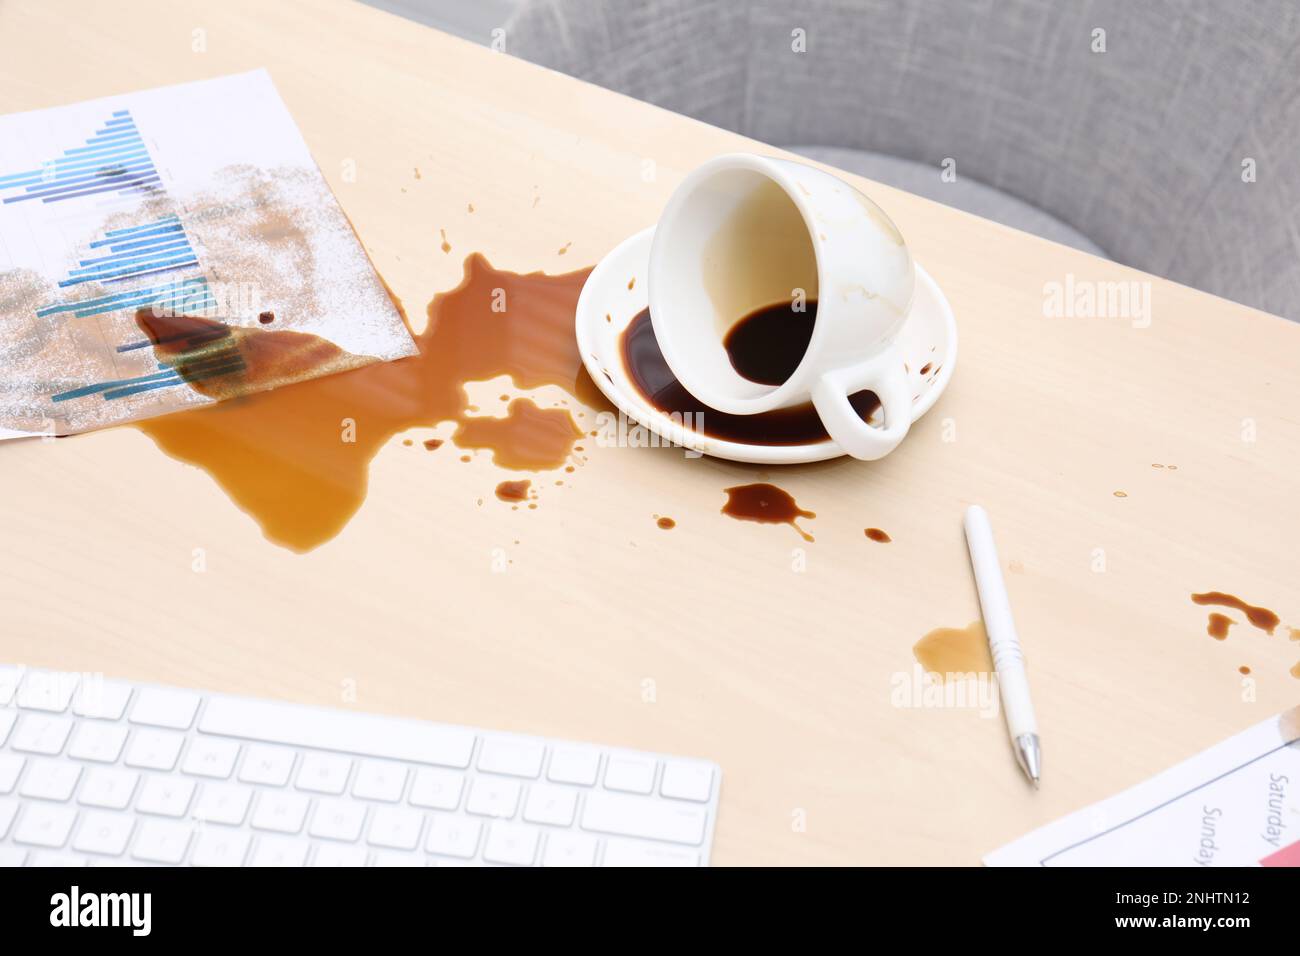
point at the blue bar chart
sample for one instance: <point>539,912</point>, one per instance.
<point>114,159</point>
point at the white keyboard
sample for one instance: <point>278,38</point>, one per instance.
<point>103,772</point>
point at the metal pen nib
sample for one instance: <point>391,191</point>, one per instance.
<point>1029,757</point>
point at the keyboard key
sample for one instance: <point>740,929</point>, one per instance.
<point>574,765</point>
<point>223,803</point>
<point>11,765</point>
<point>102,699</point>
<point>569,849</point>
<point>633,853</point>
<point>282,812</point>
<point>10,678</point>
<point>8,717</point>
<point>106,833</point>
<point>517,758</point>
<point>379,780</point>
<point>161,841</point>
<point>632,816</point>
<point>38,734</point>
<point>108,788</point>
<point>210,757</point>
<point>437,789</point>
<point>687,781</point>
<point>45,824</point>
<point>324,773</point>
<point>8,810</point>
<point>630,774</point>
<point>154,749</point>
<point>50,779</point>
<point>279,851</point>
<point>165,796</point>
<point>319,728</point>
<point>164,707</point>
<point>553,805</point>
<point>511,843</point>
<point>101,743</point>
<point>453,836</point>
<point>269,765</point>
<point>218,846</point>
<point>396,828</point>
<point>50,691</point>
<point>12,856</point>
<point>339,854</point>
<point>338,820</point>
<point>490,797</point>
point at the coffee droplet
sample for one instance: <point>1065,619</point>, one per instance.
<point>514,490</point>
<point>1218,626</point>
<point>875,534</point>
<point>666,523</point>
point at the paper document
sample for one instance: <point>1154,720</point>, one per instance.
<point>1236,804</point>
<point>170,248</point>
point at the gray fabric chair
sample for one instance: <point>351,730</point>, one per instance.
<point>1136,152</point>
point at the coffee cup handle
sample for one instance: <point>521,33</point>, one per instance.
<point>885,375</point>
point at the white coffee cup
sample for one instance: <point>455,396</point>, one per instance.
<point>744,232</point>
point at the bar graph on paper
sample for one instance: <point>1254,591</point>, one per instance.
<point>199,200</point>
<point>154,263</point>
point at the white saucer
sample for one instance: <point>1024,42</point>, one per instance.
<point>928,341</point>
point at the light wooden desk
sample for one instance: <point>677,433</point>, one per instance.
<point>784,678</point>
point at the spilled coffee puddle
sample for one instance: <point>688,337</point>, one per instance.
<point>955,651</point>
<point>766,504</point>
<point>297,458</point>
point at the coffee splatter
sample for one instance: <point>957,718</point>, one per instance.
<point>666,524</point>
<point>766,504</point>
<point>875,534</point>
<point>446,246</point>
<point>1260,617</point>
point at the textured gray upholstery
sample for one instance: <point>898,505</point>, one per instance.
<point>965,193</point>
<point>1139,148</point>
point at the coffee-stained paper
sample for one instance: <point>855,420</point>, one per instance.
<point>171,248</point>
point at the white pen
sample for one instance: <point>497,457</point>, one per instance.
<point>1008,661</point>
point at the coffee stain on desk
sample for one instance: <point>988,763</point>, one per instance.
<point>766,504</point>
<point>955,652</point>
<point>1218,625</point>
<point>877,535</point>
<point>1260,617</point>
<point>513,490</point>
<point>297,459</point>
